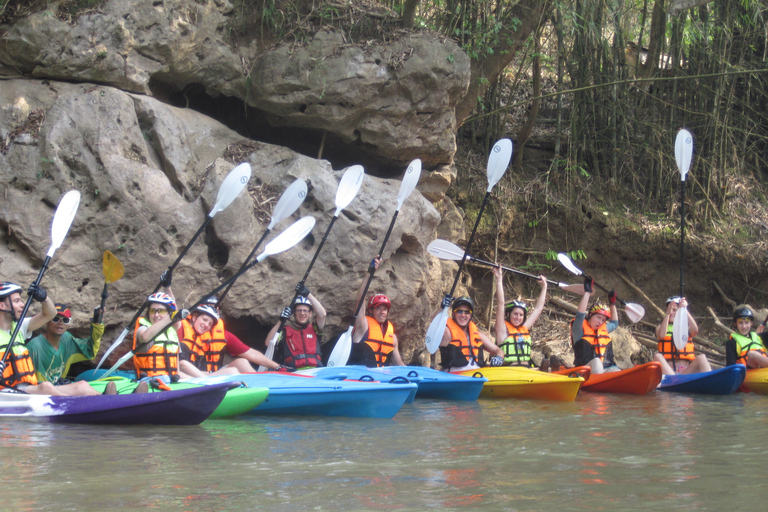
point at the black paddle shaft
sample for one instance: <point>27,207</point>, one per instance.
<point>682,234</point>
<point>373,269</point>
<point>510,269</point>
<point>469,242</point>
<point>26,308</point>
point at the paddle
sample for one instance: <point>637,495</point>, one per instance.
<point>348,188</point>
<point>62,220</point>
<point>340,353</point>
<point>498,161</point>
<point>294,234</point>
<point>230,188</point>
<point>112,270</point>
<point>683,154</point>
<point>634,311</point>
<point>288,203</point>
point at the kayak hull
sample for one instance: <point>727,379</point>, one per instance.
<point>638,380</point>
<point>181,407</point>
<point>756,381</point>
<point>311,396</point>
<point>361,374</point>
<point>512,382</point>
<point>722,381</point>
<point>579,371</point>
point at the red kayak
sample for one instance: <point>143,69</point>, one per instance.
<point>579,371</point>
<point>638,380</point>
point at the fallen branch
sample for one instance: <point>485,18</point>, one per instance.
<point>718,323</point>
<point>725,298</point>
<point>653,305</point>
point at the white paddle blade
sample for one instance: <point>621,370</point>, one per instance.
<point>635,312</point>
<point>231,187</point>
<point>445,250</point>
<point>292,235</point>
<point>112,347</point>
<point>436,330</point>
<point>340,353</point>
<point>498,161</point>
<point>270,352</point>
<point>117,365</point>
<point>680,328</point>
<point>410,180</point>
<point>62,219</point>
<point>349,186</point>
<point>578,289</point>
<point>289,202</point>
<point>683,152</point>
<point>567,263</point>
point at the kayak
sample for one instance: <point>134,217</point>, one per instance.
<point>90,375</point>
<point>237,401</point>
<point>431,383</point>
<point>756,381</point>
<point>312,396</point>
<point>578,371</point>
<point>515,382</point>
<point>722,381</point>
<point>637,380</point>
<point>180,407</point>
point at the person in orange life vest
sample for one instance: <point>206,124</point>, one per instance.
<point>18,371</point>
<point>673,361</point>
<point>155,342</point>
<point>513,323</point>
<point>374,342</point>
<point>299,343</point>
<point>237,348</point>
<point>463,344</point>
<point>589,334</point>
<point>744,346</point>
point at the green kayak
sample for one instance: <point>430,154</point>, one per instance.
<point>237,401</point>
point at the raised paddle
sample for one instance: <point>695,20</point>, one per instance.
<point>288,203</point>
<point>340,353</point>
<point>294,234</point>
<point>498,161</point>
<point>635,312</point>
<point>230,188</point>
<point>62,220</point>
<point>683,155</point>
<point>112,270</point>
<point>348,188</point>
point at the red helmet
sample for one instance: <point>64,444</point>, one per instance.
<point>378,300</point>
<point>601,309</point>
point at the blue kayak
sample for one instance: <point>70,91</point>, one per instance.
<point>431,383</point>
<point>362,374</point>
<point>723,381</point>
<point>312,396</point>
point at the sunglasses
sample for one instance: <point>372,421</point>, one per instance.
<point>463,312</point>
<point>61,319</point>
<point>156,311</point>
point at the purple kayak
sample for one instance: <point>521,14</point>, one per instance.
<point>177,407</point>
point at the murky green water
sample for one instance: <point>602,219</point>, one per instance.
<point>603,452</point>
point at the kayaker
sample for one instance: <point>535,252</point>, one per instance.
<point>672,360</point>
<point>590,333</point>
<point>463,346</point>
<point>155,342</point>
<point>56,349</point>
<point>299,343</point>
<point>204,345</point>
<point>374,342</point>
<point>18,370</point>
<point>513,324</point>
<point>745,346</point>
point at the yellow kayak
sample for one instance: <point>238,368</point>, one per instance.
<point>756,381</point>
<point>513,382</point>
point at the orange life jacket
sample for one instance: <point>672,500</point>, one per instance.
<point>162,358</point>
<point>666,347</point>
<point>19,366</point>
<point>470,350</point>
<point>745,344</point>
<point>208,347</point>
<point>382,343</point>
<point>517,345</point>
<point>302,348</point>
<point>599,339</point>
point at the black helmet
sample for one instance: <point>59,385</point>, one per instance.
<point>743,312</point>
<point>465,301</point>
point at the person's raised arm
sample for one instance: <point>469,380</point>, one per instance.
<point>501,327</point>
<point>44,316</point>
<point>539,307</point>
<point>661,329</point>
<point>320,313</point>
<point>361,324</point>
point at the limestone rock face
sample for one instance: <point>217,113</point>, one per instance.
<point>391,101</point>
<point>149,174</point>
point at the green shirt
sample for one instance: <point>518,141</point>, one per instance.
<point>51,364</point>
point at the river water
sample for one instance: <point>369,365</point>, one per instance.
<point>602,452</point>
